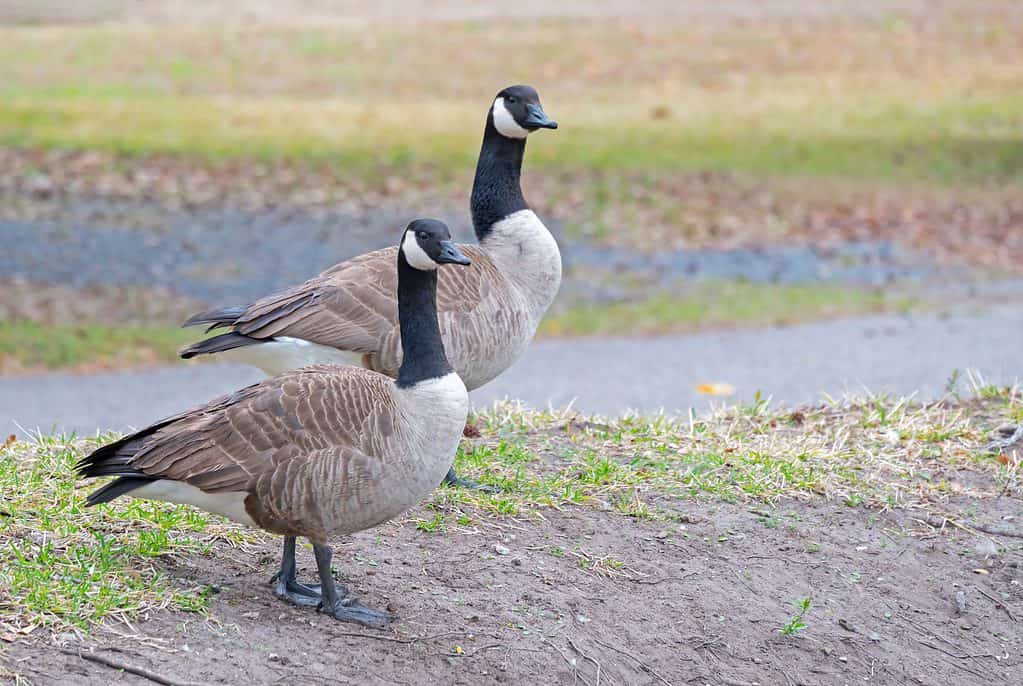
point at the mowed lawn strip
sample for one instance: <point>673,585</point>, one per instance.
<point>905,99</point>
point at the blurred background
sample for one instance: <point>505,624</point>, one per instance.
<point>784,196</point>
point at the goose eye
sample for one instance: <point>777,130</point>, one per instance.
<point>511,99</point>
<point>421,235</point>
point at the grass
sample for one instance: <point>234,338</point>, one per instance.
<point>26,345</point>
<point>796,625</point>
<point>881,452</point>
<point>66,567</point>
<point>944,142</point>
<point>716,305</point>
<point>934,101</point>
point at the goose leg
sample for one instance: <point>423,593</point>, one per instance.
<point>341,605</point>
<point>452,479</point>
<point>287,585</point>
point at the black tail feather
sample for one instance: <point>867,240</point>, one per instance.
<point>225,316</point>
<point>116,488</point>
<point>114,459</point>
<point>225,341</point>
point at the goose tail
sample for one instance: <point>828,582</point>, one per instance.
<point>214,319</point>
<point>217,344</point>
<point>114,459</point>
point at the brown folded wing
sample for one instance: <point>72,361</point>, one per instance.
<point>353,306</point>
<point>280,440</point>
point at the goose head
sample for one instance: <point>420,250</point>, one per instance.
<point>516,112</point>
<point>427,244</point>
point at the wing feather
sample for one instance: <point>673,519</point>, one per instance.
<point>233,442</point>
<point>353,306</point>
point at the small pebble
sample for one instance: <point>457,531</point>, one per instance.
<point>960,600</point>
<point>501,550</point>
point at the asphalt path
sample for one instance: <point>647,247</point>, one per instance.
<point>792,365</point>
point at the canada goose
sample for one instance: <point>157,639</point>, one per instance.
<point>488,313</point>
<point>318,451</point>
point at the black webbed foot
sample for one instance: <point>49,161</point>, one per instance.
<point>453,480</point>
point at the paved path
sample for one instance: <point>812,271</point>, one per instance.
<point>792,364</point>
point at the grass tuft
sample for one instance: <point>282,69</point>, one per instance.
<point>66,567</point>
<point>869,452</point>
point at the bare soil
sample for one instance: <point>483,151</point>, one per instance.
<point>588,597</point>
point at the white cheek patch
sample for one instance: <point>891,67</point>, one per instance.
<point>505,123</point>
<point>414,253</point>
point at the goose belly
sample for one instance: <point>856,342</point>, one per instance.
<point>283,354</point>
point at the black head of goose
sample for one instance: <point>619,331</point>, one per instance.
<point>488,313</point>
<point>496,190</point>
<point>316,452</point>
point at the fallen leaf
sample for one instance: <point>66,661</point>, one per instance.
<point>660,112</point>
<point>715,389</point>
<point>981,571</point>
<point>1007,460</point>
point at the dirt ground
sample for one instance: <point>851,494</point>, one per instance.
<point>589,597</point>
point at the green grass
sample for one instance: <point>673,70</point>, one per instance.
<point>944,142</point>
<point>875,452</point>
<point>28,345</point>
<point>935,102</point>
<point>795,626</point>
<point>68,567</point>
<point>719,305</point>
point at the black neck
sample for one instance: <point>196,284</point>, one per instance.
<point>496,192</point>
<point>421,344</point>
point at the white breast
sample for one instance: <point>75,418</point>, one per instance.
<point>431,416</point>
<point>526,252</point>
